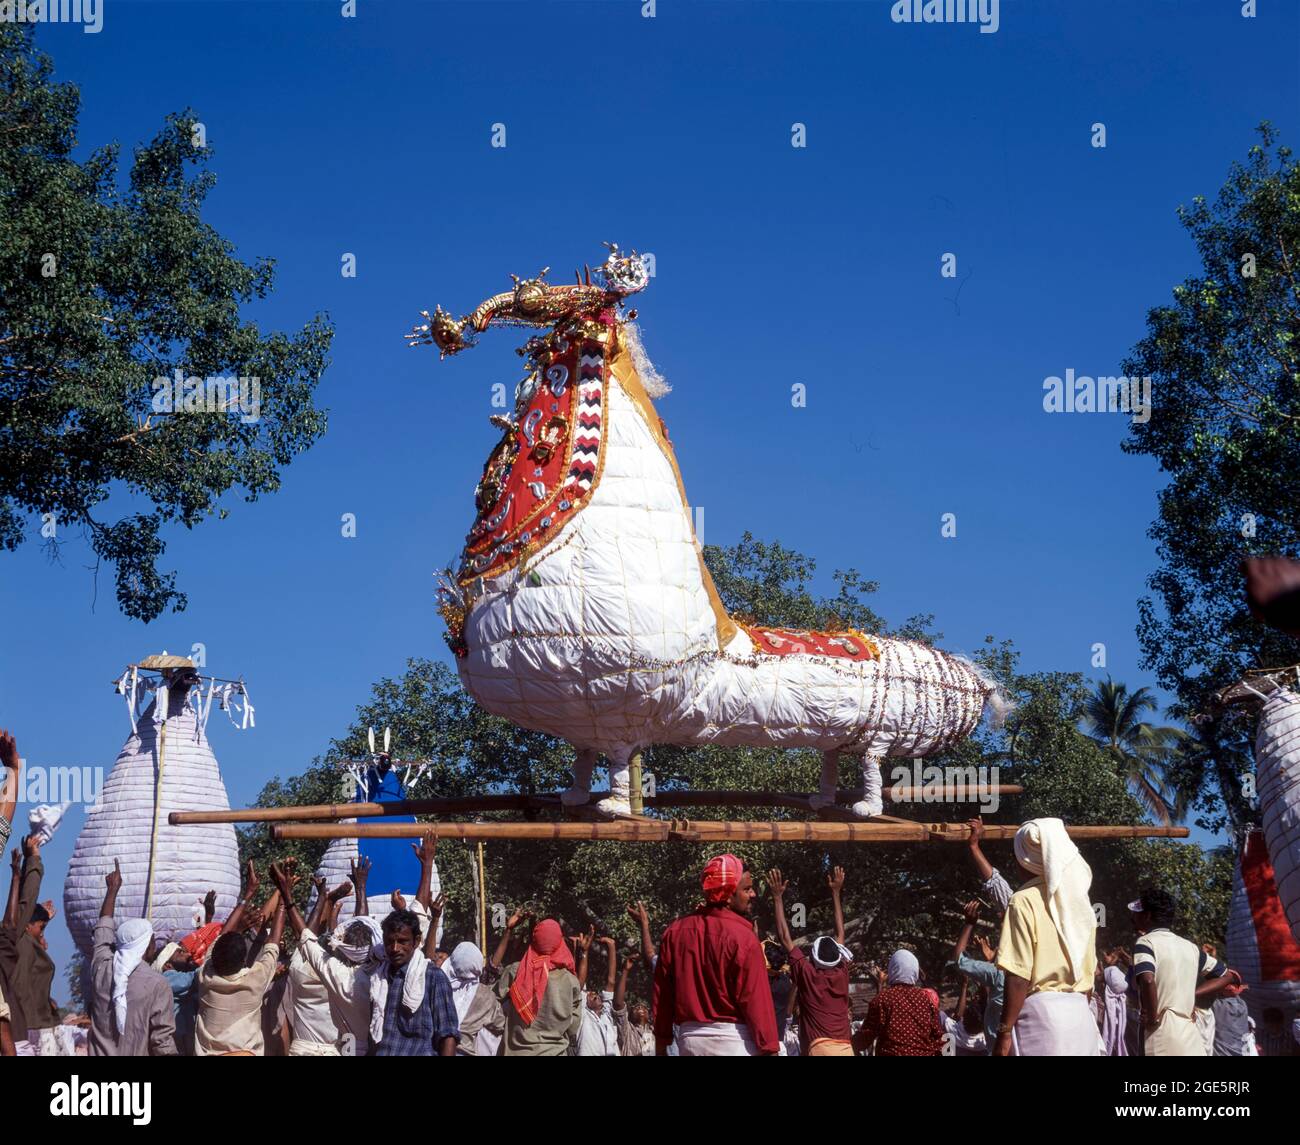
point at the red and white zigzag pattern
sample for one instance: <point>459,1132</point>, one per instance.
<point>586,434</point>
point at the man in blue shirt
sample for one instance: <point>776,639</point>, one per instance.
<point>983,972</point>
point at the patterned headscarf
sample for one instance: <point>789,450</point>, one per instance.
<point>546,950</point>
<point>197,942</point>
<point>721,877</point>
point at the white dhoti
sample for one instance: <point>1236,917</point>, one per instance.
<point>299,1048</point>
<point>715,1040</point>
<point>1056,1023</point>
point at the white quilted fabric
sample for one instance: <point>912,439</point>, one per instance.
<point>190,860</point>
<point>606,638</point>
<point>1277,778</point>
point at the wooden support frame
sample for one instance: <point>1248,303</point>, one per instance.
<point>703,831</point>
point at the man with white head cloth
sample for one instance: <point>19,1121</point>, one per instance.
<point>478,1010</point>
<point>130,1003</point>
<point>1048,950</point>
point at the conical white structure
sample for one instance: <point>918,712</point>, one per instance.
<point>1260,945</point>
<point>1277,772</point>
<point>187,861</point>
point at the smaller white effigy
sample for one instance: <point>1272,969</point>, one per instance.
<point>1277,784</point>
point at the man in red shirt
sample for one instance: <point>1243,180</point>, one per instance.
<point>821,977</point>
<point>711,977</point>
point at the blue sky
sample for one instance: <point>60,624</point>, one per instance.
<point>774,265</point>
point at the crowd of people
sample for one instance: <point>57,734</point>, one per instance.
<point>1038,986</point>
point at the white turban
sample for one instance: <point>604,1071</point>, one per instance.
<point>1043,847</point>
<point>133,937</point>
<point>164,956</point>
<point>464,968</point>
<point>843,954</point>
<point>372,950</point>
<point>904,969</point>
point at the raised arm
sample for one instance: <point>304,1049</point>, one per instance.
<point>611,956</point>
<point>8,784</point>
<point>620,988</point>
<point>112,884</point>
<point>15,881</point>
<point>234,921</point>
<point>209,907</point>
<point>425,852</point>
<point>498,955</point>
<point>638,911</point>
<point>277,925</point>
<point>982,865</point>
<point>777,885</point>
<point>971,913</point>
<point>284,882</point>
<point>582,945</point>
<point>436,908</point>
<point>360,871</point>
<point>835,880</point>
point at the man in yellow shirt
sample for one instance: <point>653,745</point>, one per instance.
<point>1048,950</point>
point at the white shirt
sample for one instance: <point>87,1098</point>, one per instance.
<point>350,1006</point>
<point>310,1016</point>
<point>598,1037</point>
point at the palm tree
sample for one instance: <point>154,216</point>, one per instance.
<point>1143,753</point>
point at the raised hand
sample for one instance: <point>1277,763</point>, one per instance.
<point>113,880</point>
<point>31,845</point>
<point>437,907</point>
<point>585,939</point>
<point>638,911</point>
<point>251,881</point>
<point>339,893</point>
<point>986,951</point>
<point>835,880</point>
<point>775,883</point>
<point>971,911</point>
<point>359,869</point>
<point>209,905</point>
<point>519,915</point>
<point>397,900</point>
<point>425,849</point>
<point>976,832</point>
<point>8,750</point>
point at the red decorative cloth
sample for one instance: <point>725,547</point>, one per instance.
<point>546,950</point>
<point>197,942</point>
<point>848,645</point>
<point>721,877</point>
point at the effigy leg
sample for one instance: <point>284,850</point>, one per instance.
<point>618,802</point>
<point>830,781</point>
<point>871,804</point>
<point>580,792</point>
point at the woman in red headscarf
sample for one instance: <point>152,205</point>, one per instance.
<point>539,993</point>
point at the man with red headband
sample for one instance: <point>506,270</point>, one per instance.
<point>711,977</point>
<point>540,993</point>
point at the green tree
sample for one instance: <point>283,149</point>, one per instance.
<point>1224,359</point>
<point>1142,753</point>
<point>105,288</point>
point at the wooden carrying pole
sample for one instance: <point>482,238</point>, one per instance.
<point>700,831</point>
<point>475,804</point>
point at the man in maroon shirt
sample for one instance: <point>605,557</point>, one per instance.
<point>711,977</point>
<point>821,977</point>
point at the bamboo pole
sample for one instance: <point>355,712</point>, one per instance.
<point>635,795</point>
<point>482,901</point>
<point>474,804</point>
<point>701,831</point>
